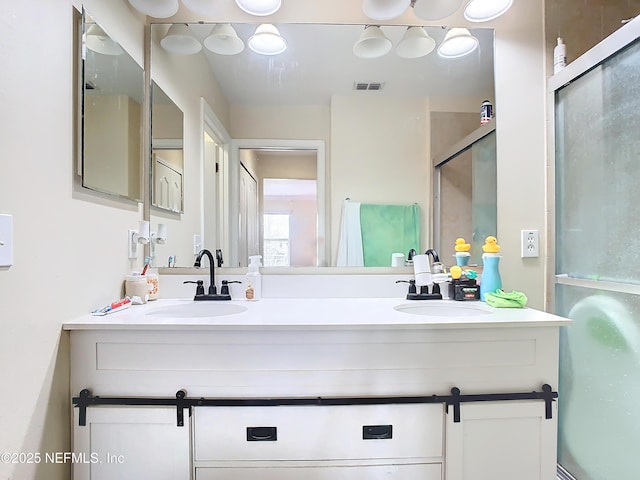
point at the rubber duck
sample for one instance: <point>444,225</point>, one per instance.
<point>491,245</point>
<point>456,272</point>
<point>461,246</point>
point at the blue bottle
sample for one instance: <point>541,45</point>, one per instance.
<point>490,281</point>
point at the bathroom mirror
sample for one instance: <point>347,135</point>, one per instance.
<point>112,99</point>
<point>372,114</point>
<point>166,152</point>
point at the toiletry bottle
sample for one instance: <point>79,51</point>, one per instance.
<point>559,56</point>
<point>254,279</point>
<point>486,112</point>
<point>490,280</point>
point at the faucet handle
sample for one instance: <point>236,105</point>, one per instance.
<point>199,288</point>
<point>412,285</point>
<point>224,290</point>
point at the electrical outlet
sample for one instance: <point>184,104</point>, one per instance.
<point>529,244</point>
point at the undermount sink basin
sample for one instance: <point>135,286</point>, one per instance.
<point>435,309</point>
<point>198,310</point>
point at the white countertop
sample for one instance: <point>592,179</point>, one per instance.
<point>315,313</point>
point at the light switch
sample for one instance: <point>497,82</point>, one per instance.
<point>6,240</point>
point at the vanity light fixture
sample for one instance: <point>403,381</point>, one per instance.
<point>458,42</point>
<point>435,9</point>
<point>372,43</point>
<point>98,41</point>
<point>485,10</point>
<point>267,40</point>
<point>415,43</point>
<point>224,40</point>
<point>180,40</point>
<point>259,8</point>
<point>156,8</point>
<point>385,9</point>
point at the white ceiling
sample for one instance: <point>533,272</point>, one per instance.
<point>319,62</point>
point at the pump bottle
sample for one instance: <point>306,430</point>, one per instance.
<point>559,56</point>
<point>253,282</point>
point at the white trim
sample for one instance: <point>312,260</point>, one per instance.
<point>608,285</point>
<point>265,144</point>
<point>210,122</point>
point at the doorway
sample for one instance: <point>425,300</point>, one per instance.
<point>294,169</point>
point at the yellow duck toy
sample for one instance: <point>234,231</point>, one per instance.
<point>491,245</point>
<point>460,246</point>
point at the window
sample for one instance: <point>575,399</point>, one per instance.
<point>276,240</point>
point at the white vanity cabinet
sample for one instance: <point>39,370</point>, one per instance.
<point>130,443</point>
<point>299,397</point>
<point>320,442</point>
<point>501,441</point>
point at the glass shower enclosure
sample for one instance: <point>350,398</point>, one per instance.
<point>596,134</point>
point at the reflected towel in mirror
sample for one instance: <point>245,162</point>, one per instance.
<point>370,233</point>
<point>350,252</point>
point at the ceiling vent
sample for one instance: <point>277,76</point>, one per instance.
<point>368,86</point>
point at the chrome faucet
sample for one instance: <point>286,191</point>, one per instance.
<point>212,292</point>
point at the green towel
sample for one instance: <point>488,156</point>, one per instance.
<point>387,229</point>
<point>501,299</point>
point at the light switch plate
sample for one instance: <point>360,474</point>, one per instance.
<point>6,240</point>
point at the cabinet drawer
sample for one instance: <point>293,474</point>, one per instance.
<point>431,471</point>
<point>318,432</point>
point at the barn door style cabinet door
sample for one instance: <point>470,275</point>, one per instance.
<point>131,443</point>
<point>501,441</point>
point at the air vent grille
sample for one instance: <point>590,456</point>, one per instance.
<point>368,85</point>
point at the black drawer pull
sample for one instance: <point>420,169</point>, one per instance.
<point>377,432</point>
<point>262,434</point>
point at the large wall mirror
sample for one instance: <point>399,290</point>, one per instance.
<point>112,108</point>
<point>373,116</point>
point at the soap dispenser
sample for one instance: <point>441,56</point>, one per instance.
<point>490,280</point>
<point>254,279</point>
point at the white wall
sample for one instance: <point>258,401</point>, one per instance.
<point>70,248</point>
<point>380,154</point>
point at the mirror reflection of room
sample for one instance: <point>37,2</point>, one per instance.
<point>112,100</point>
<point>167,151</point>
<point>377,139</point>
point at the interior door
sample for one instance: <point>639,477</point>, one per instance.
<point>248,218</point>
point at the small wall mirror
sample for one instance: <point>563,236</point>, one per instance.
<point>112,98</point>
<point>167,152</point>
